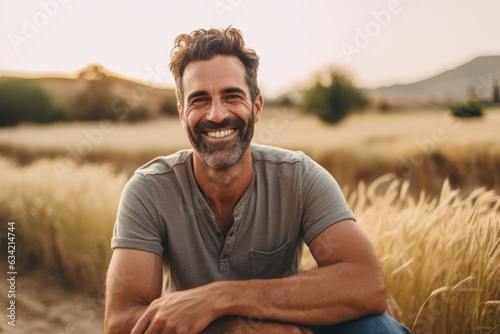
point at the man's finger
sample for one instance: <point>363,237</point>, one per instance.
<point>142,325</point>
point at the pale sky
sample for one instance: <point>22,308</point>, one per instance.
<point>379,41</point>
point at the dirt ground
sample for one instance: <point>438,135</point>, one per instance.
<point>44,304</point>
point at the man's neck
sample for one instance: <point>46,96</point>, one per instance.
<point>223,188</point>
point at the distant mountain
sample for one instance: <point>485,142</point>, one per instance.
<point>475,78</point>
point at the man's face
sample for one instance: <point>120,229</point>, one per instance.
<point>218,114</point>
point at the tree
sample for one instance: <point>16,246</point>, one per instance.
<point>96,100</point>
<point>92,72</point>
<point>334,100</point>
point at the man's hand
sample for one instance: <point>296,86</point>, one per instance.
<point>194,311</point>
<point>188,311</point>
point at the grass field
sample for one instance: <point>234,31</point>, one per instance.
<point>419,183</point>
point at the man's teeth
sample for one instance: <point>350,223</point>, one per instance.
<point>220,134</point>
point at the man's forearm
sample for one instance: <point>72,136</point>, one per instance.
<point>123,322</point>
<point>327,295</point>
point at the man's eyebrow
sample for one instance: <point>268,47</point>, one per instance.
<point>230,90</point>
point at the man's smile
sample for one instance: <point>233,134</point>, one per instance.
<point>219,133</point>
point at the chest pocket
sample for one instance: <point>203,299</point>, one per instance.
<point>274,264</point>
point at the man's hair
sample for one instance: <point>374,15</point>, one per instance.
<point>204,44</point>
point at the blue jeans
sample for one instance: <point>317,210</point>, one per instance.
<point>372,324</point>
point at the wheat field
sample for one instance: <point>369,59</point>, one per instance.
<point>440,255</point>
<point>435,224</point>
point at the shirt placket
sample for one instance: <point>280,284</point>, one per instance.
<point>224,264</point>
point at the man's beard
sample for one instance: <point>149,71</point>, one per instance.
<point>226,154</point>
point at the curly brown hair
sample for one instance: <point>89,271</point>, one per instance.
<point>204,44</point>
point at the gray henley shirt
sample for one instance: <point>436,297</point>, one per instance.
<point>290,198</point>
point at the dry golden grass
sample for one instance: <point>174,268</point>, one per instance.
<point>440,254</point>
<point>65,223</point>
<point>439,248</point>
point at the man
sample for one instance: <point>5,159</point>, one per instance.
<point>229,219</point>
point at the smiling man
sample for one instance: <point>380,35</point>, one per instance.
<point>228,219</point>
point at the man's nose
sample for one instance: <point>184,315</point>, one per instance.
<point>217,112</point>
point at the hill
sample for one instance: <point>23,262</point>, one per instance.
<point>64,89</point>
<point>474,78</point>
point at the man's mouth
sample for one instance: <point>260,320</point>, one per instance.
<point>220,133</point>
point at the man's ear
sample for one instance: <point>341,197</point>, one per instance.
<point>258,107</point>
<point>181,114</point>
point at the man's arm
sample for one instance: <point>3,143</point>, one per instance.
<point>134,280</point>
<point>347,285</point>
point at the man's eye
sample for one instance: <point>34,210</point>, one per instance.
<point>200,100</point>
<point>233,97</point>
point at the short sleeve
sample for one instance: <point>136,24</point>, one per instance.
<point>137,224</point>
<point>323,201</point>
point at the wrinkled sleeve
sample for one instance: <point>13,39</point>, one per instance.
<point>137,224</point>
<point>323,201</point>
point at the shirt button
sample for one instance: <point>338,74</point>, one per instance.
<point>223,265</point>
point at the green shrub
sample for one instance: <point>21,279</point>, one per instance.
<point>24,100</point>
<point>169,106</point>
<point>467,109</point>
<point>334,101</point>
